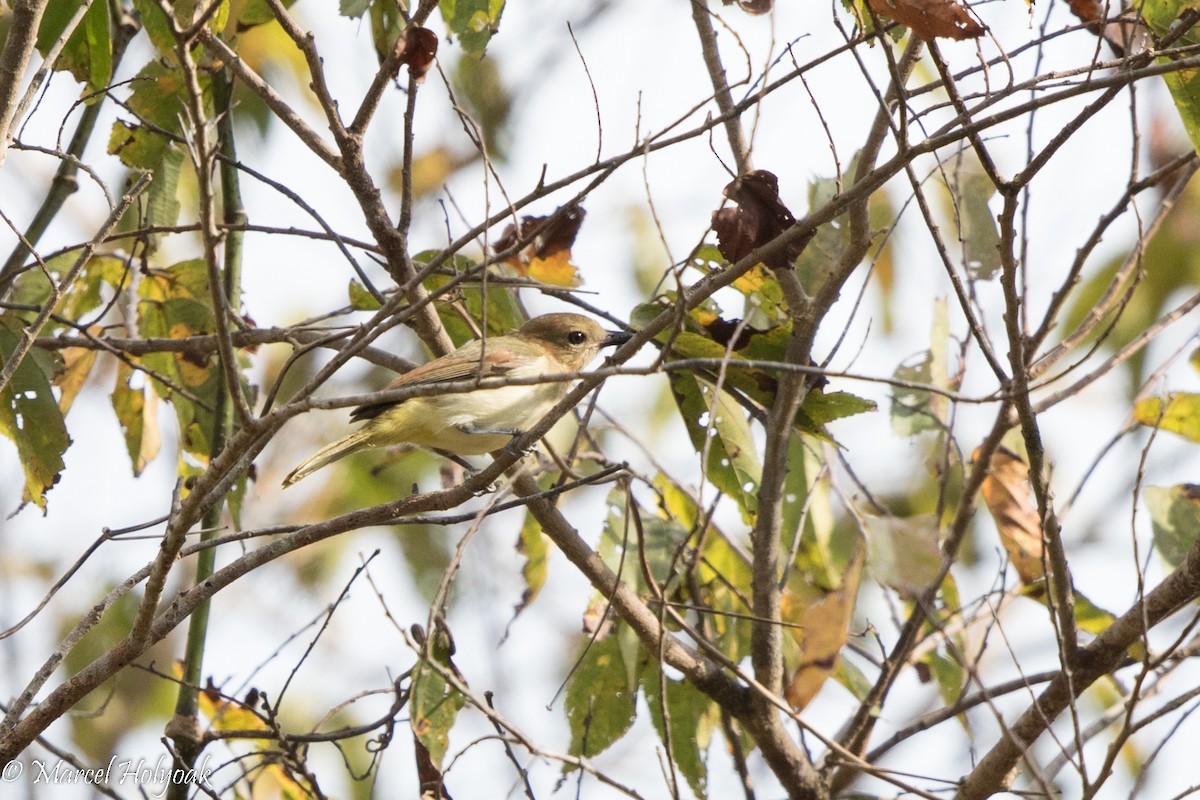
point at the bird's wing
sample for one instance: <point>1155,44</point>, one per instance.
<point>463,364</point>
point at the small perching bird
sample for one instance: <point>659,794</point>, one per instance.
<point>479,420</point>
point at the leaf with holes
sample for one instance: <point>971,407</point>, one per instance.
<point>30,417</point>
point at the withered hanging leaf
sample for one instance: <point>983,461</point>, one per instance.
<point>823,622</point>
<point>77,365</point>
<point>752,6</point>
<point>1006,492</point>
<point>420,47</point>
<point>759,217</point>
<point>931,19</point>
<point>545,246</point>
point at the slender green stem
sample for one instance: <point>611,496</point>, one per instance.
<point>187,704</point>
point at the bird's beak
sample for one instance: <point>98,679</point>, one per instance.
<point>616,338</point>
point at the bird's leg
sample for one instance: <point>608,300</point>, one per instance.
<point>457,459</point>
<point>518,452</point>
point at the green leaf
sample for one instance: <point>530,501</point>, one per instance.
<point>620,548</point>
<point>687,724</point>
<point>1184,85</point>
<point>256,12</point>
<point>1091,617</point>
<point>1178,413</point>
<point>353,8</point>
<point>535,546</point>
<point>87,55</point>
<point>950,675</point>
<point>386,25</point>
<point>504,314</point>
<point>30,417</point>
<point>479,86</point>
<point>175,304</point>
<point>916,410</point>
<point>86,293</point>
<point>361,299</point>
<point>600,705</point>
<point>732,463</point>
<point>1175,518</point>
<point>851,677</point>
<point>158,28</point>
<point>158,100</point>
<point>472,21</point>
<point>434,704</point>
<point>904,552</point>
<point>970,190</point>
<point>825,249</point>
<point>821,407</point>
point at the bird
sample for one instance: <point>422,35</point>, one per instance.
<point>476,421</point>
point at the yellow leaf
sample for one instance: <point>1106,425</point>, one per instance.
<point>194,370</point>
<point>78,363</point>
<point>229,715</point>
<point>555,269</point>
<point>752,281</point>
<point>823,628</point>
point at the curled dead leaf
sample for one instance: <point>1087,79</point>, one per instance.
<point>755,7</point>
<point>759,217</point>
<point>1006,491</point>
<point>420,47</point>
<point>545,246</point>
<point>822,629</point>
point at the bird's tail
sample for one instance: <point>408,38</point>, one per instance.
<point>328,454</point>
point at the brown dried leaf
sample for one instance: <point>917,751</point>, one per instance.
<point>752,6</point>
<point>1087,10</point>
<point>420,47</point>
<point>77,365</point>
<point>546,246</point>
<point>824,628</point>
<point>1006,491</point>
<point>759,217</point>
<point>931,19</point>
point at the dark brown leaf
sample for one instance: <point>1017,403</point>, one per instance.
<point>428,774</point>
<point>420,47</point>
<point>1087,10</point>
<point>545,236</point>
<point>545,246</point>
<point>760,216</point>
<point>753,6</point>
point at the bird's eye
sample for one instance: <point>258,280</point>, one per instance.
<point>576,337</point>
